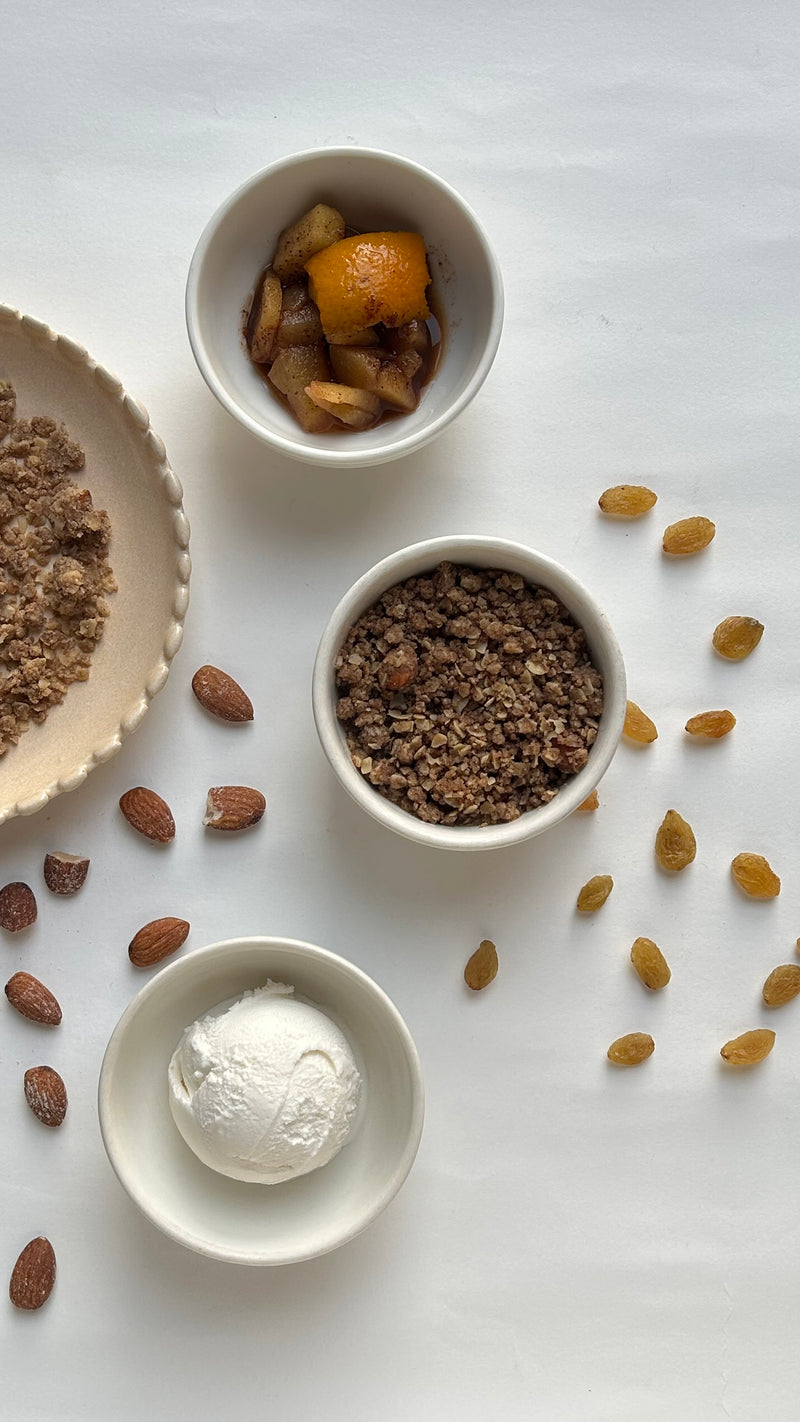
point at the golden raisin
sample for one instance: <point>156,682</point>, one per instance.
<point>594,894</point>
<point>736,637</point>
<point>712,724</point>
<point>782,985</point>
<point>687,536</point>
<point>650,964</point>
<point>638,726</point>
<point>749,1048</point>
<point>627,500</point>
<point>632,1049</point>
<point>482,966</point>
<point>592,802</point>
<point>676,845</point>
<point>753,874</point>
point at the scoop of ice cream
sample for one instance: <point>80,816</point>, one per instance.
<point>265,1090</point>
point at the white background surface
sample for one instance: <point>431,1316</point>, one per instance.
<point>574,1242</point>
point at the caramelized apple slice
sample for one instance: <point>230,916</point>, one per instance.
<point>389,377</point>
<point>299,327</point>
<point>295,295</point>
<point>316,229</point>
<point>414,336</point>
<point>264,318</point>
<point>355,408</point>
<point>292,371</point>
<point>367,337</point>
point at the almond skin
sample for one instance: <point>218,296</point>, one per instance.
<point>17,907</point>
<point>233,807</point>
<point>34,1275</point>
<point>46,1095</point>
<point>33,1000</point>
<point>148,813</point>
<point>64,873</point>
<point>157,940</point>
<point>221,695</point>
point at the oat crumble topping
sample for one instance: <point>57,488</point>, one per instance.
<point>54,573</point>
<point>468,696</point>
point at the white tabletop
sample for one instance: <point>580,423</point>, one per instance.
<point>575,1243</point>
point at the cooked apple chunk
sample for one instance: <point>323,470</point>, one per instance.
<point>355,408</point>
<point>320,227</point>
<point>291,372</point>
<point>265,317</point>
<point>366,337</point>
<point>414,336</point>
<point>389,377</point>
<point>299,327</point>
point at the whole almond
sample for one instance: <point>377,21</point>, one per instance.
<point>33,999</point>
<point>17,907</point>
<point>34,1275</point>
<point>46,1095</point>
<point>148,813</point>
<point>233,807</point>
<point>65,873</point>
<point>481,969</point>
<point>221,695</point>
<point>156,940</point>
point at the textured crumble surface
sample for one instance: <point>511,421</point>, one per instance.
<point>468,696</point>
<point>54,573</point>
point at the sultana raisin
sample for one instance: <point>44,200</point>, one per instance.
<point>753,874</point>
<point>782,985</point>
<point>631,1049</point>
<point>594,894</point>
<point>482,966</point>
<point>676,845</point>
<point>712,724</point>
<point>687,536</point>
<point>638,726</point>
<point>592,802</point>
<point>650,964</point>
<point>749,1048</point>
<point>736,637</point>
<point>627,500</point>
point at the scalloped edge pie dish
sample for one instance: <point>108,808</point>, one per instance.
<point>127,473</point>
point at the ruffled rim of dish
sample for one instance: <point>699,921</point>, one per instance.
<point>138,419</point>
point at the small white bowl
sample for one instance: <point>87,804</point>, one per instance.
<point>481,552</point>
<point>229,1219</point>
<point>376,192</point>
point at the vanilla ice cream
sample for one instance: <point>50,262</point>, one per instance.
<point>266,1089</point>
